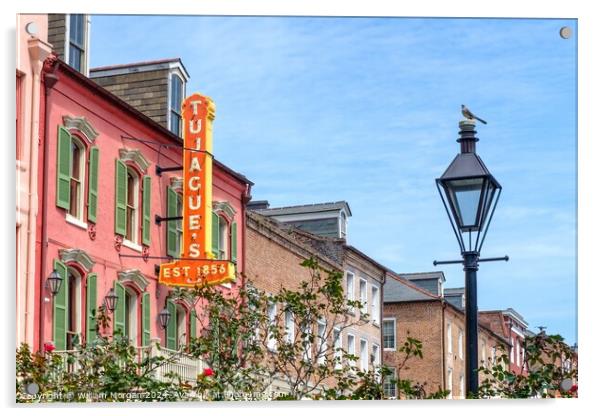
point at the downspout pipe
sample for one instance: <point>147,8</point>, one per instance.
<point>38,51</point>
<point>50,79</point>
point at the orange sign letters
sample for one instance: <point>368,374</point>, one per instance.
<point>197,264</point>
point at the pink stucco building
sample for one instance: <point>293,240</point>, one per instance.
<point>99,199</point>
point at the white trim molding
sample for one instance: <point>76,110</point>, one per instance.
<point>76,255</point>
<point>135,156</point>
<point>82,125</point>
<point>135,277</point>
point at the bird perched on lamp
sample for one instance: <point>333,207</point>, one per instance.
<point>469,115</point>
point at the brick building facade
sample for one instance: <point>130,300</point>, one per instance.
<point>274,253</point>
<point>412,311</point>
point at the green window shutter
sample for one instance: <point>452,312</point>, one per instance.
<point>93,185</point>
<point>121,183</point>
<point>214,234</point>
<point>61,305</point>
<point>193,324</point>
<point>172,234</point>
<point>63,168</point>
<point>146,320</point>
<point>172,326</point>
<point>233,242</point>
<point>91,308</point>
<point>119,313</point>
<point>146,210</point>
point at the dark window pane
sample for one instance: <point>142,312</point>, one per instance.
<point>76,29</point>
<point>174,125</point>
<point>75,58</point>
<point>176,94</point>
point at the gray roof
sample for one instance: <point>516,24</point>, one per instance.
<point>398,291</point>
<point>517,316</point>
<point>453,291</point>
<point>303,209</point>
<point>423,275</point>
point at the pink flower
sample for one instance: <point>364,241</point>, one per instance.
<point>208,372</point>
<point>573,389</point>
<point>49,347</point>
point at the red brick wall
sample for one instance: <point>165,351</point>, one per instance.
<point>423,321</point>
<point>270,266</point>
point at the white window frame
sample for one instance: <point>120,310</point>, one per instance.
<point>512,351</point>
<point>322,346</point>
<point>272,313</point>
<point>450,347</point>
<point>364,295</point>
<point>181,327</point>
<point>351,349</point>
<point>364,356</point>
<point>289,325</point>
<point>462,394</point>
<point>350,277</point>
<point>393,376</point>
<point>375,306</point>
<point>132,316</point>
<point>137,185</point>
<point>394,320</point>
<point>337,343</point>
<point>223,238</point>
<point>376,353</point>
<point>461,345</point>
<point>79,218</point>
<point>67,47</point>
<point>169,92</point>
<point>77,303</point>
<point>522,355</point>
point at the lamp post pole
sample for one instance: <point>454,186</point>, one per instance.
<point>471,265</point>
<point>469,193</point>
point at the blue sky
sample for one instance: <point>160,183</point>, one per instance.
<point>366,110</point>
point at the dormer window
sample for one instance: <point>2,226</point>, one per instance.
<point>175,103</point>
<point>77,42</point>
<point>343,225</point>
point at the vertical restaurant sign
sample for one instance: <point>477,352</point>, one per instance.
<point>197,264</point>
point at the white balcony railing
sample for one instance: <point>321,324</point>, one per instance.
<point>185,366</point>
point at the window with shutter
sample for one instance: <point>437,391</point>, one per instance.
<point>146,210</point>
<point>172,233</point>
<point>172,326</point>
<point>193,319</point>
<point>63,169</point>
<point>233,242</point>
<point>120,197</point>
<point>119,315</point>
<point>93,185</point>
<point>91,298</point>
<point>215,234</point>
<point>76,179</point>
<point>146,319</point>
<point>60,309</point>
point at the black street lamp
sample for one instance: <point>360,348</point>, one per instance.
<point>471,195</point>
<point>111,300</point>
<point>54,282</point>
<point>164,317</point>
